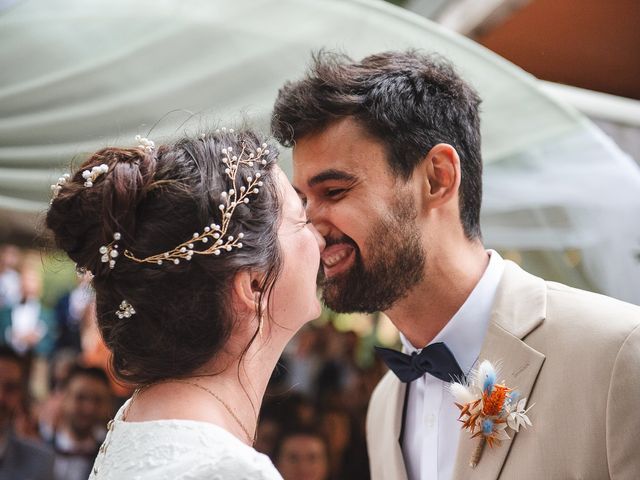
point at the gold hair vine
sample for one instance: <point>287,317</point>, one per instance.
<point>216,234</point>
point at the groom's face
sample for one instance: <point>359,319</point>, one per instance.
<point>374,253</point>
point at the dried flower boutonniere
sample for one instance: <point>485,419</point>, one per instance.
<point>488,408</point>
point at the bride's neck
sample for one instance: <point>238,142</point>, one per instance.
<point>238,382</point>
<point>247,375</point>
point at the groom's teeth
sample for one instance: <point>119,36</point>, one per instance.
<point>333,259</point>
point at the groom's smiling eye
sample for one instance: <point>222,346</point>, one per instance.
<point>335,193</point>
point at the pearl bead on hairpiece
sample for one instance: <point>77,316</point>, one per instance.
<point>90,176</point>
<point>145,143</point>
<point>109,252</point>
<point>56,187</point>
<point>125,310</point>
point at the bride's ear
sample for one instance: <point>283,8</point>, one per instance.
<point>246,290</point>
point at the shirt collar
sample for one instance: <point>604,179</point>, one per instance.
<point>464,333</point>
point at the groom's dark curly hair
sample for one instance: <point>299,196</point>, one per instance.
<point>408,100</point>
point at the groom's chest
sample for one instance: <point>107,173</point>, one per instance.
<point>430,429</point>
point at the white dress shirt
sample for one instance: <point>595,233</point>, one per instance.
<point>431,429</point>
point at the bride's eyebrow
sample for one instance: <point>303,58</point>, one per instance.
<point>331,174</point>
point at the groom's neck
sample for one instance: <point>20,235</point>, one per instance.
<point>450,277</point>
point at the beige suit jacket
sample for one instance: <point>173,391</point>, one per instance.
<point>576,355</point>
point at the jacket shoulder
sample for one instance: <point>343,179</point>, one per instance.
<point>601,314</point>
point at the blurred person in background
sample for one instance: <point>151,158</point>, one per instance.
<point>344,403</point>
<point>298,409</point>
<point>338,372</point>
<point>27,326</point>
<point>19,458</point>
<point>87,405</point>
<point>95,353</point>
<point>283,412</point>
<point>62,363</point>
<point>70,310</point>
<point>347,446</point>
<point>302,454</point>
<point>302,360</point>
<point>9,277</point>
<point>269,428</point>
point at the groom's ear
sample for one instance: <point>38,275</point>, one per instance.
<point>246,290</point>
<point>440,175</point>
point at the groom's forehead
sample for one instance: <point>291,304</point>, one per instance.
<point>313,166</point>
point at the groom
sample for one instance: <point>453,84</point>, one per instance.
<point>386,155</point>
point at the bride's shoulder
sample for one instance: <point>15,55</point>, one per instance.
<point>232,459</point>
<point>241,465</point>
<point>181,449</point>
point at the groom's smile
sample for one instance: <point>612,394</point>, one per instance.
<point>337,258</point>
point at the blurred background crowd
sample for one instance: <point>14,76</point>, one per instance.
<point>57,394</point>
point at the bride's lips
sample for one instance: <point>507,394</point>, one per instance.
<point>337,258</point>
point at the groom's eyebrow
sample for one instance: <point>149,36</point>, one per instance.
<point>331,174</point>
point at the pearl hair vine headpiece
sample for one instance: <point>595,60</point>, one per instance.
<point>214,236</point>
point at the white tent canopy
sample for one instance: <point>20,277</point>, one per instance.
<point>79,75</point>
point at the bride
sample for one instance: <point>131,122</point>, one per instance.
<point>204,267</point>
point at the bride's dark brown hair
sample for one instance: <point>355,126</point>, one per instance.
<point>157,200</point>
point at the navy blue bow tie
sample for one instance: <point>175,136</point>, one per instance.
<point>435,359</point>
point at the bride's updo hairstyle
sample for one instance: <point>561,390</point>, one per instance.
<point>151,200</point>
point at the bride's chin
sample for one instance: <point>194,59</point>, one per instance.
<point>316,311</point>
<point>296,321</point>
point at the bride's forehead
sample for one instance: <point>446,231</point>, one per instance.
<point>287,193</point>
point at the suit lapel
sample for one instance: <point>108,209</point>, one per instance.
<point>395,415</point>
<point>519,308</point>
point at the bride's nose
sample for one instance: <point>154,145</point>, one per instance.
<point>319,238</point>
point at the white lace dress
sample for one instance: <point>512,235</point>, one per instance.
<point>177,450</point>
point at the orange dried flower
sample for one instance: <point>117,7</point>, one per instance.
<point>493,403</point>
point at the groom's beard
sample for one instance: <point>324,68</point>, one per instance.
<point>394,265</point>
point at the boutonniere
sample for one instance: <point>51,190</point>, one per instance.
<point>488,409</point>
